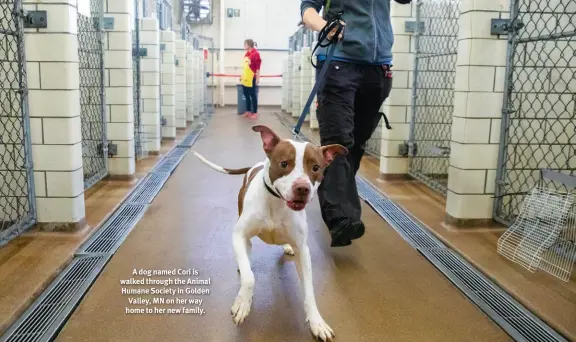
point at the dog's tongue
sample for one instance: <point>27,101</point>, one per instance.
<point>296,205</point>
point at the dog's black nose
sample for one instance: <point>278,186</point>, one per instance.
<point>302,190</point>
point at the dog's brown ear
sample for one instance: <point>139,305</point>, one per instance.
<point>330,151</point>
<point>269,138</point>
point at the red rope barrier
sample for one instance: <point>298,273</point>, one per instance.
<point>234,75</point>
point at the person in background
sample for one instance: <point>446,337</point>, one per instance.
<point>250,78</point>
<point>357,82</point>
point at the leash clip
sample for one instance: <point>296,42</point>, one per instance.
<point>295,135</point>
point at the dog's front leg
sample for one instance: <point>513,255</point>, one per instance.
<point>241,306</point>
<point>318,326</point>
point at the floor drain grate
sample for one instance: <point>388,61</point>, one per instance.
<point>167,165</point>
<point>149,188</point>
<point>177,154</point>
<point>109,237</point>
<point>43,320</point>
<point>191,138</point>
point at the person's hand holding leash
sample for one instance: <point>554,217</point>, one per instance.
<point>335,29</point>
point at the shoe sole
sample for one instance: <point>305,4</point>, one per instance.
<point>345,237</point>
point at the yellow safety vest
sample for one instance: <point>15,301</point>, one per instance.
<point>247,73</point>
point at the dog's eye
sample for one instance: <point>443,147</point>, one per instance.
<point>315,168</point>
<point>284,164</point>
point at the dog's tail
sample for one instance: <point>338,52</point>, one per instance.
<point>220,168</point>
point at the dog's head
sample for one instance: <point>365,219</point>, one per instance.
<point>296,168</point>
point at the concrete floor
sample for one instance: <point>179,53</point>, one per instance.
<point>378,289</point>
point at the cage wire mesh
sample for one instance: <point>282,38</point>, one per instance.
<point>17,199</point>
<point>544,234</point>
<point>374,143</point>
<point>208,71</point>
<point>433,88</point>
<point>139,134</point>
<point>539,122</point>
<point>159,12</point>
<point>168,14</point>
<point>92,106</point>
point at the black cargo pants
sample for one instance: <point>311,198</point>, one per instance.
<point>348,113</point>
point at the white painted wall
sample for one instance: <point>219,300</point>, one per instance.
<point>269,23</point>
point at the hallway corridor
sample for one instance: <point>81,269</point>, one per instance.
<point>378,289</point>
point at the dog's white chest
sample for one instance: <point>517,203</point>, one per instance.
<point>273,236</point>
<point>273,232</point>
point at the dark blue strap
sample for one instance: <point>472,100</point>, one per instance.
<point>319,82</point>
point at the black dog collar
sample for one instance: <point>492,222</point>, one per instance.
<point>272,192</point>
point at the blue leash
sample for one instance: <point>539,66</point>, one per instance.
<point>323,34</point>
<point>319,82</point>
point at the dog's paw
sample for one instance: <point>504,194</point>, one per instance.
<point>288,249</point>
<point>240,309</point>
<point>320,329</point>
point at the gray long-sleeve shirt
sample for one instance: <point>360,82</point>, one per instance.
<point>368,35</point>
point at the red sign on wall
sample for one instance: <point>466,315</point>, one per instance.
<point>205,54</point>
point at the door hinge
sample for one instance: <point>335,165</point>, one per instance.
<point>504,26</point>
<point>403,149</point>
<point>408,148</point>
<point>108,149</point>
<point>34,19</point>
<point>163,121</point>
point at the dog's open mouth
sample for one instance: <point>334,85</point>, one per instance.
<point>296,205</point>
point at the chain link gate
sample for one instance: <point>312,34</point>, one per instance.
<point>136,83</point>
<point>433,91</point>
<point>92,105</point>
<point>539,112</point>
<point>159,6</point>
<point>374,144</point>
<point>17,198</point>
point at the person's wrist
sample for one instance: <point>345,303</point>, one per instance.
<point>320,24</point>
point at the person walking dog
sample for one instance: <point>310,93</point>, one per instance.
<point>357,82</point>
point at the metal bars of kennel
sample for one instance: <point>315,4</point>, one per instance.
<point>185,29</point>
<point>538,127</point>
<point>17,198</point>
<point>160,10</point>
<point>139,141</point>
<point>299,76</point>
<point>164,14</point>
<point>303,37</point>
<point>433,92</point>
<point>208,89</point>
<point>168,14</point>
<point>92,104</point>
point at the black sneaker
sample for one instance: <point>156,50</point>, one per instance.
<point>344,231</point>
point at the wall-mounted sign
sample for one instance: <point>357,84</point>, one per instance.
<point>108,23</point>
<point>232,12</point>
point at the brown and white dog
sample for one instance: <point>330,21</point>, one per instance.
<point>270,206</point>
